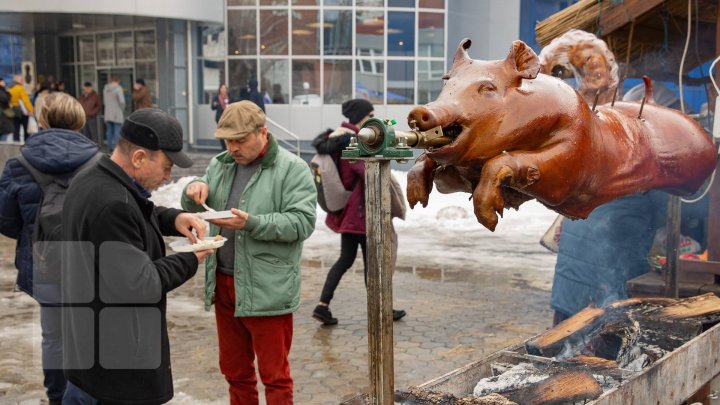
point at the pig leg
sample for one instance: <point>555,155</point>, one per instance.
<point>518,171</point>
<point>420,180</point>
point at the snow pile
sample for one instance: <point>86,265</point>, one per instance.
<point>444,233</point>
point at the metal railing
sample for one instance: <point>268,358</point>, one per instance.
<point>288,144</point>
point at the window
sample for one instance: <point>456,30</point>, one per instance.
<point>338,32</point>
<point>327,51</point>
<point>306,32</point>
<point>240,71</point>
<point>401,82</point>
<point>369,33</point>
<point>145,45</point>
<point>401,3</point>
<point>401,34</point>
<point>338,81</point>
<point>210,76</point>
<point>86,48</point>
<point>431,32</point>
<point>124,48</point>
<point>370,3</point>
<point>242,26</point>
<point>105,50</point>
<point>274,79</point>
<point>273,32</point>
<point>211,62</point>
<point>432,4</point>
<point>306,82</point>
<point>369,81</point>
<point>430,75</point>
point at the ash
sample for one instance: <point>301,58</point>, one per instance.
<point>518,376</point>
<point>606,382</point>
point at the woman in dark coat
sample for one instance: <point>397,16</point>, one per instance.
<point>350,222</point>
<point>56,150</point>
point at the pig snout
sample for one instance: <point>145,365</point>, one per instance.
<point>426,117</point>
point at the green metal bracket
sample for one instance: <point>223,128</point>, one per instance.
<point>377,139</point>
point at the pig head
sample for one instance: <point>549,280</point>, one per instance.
<point>515,134</point>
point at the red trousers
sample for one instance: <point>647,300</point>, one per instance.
<point>241,338</point>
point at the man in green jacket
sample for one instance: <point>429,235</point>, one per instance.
<point>254,279</point>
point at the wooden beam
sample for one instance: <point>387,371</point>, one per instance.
<point>623,13</point>
<point>379,281</point>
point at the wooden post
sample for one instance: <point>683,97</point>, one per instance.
<point>671,246</point>
<point>379,281</point>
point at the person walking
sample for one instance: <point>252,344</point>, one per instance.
<point>58,149</point>
<point>118,274</point>
<point>219,104</point>
<point>141,95</point>
<point>20,102</point>
<point>6,113</point>
<point>114,101</point>
<point>92,105</point>
<point>254,279</point>
<point>350,222</point>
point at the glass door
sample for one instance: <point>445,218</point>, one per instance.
<point>126,77</point>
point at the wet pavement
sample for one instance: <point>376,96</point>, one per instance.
<point>456,315</point>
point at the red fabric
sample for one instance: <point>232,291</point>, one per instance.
<point>352,218</point>
<point>240,338</point>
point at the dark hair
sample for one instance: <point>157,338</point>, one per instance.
<point>87,84</point>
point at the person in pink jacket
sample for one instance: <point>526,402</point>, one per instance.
<point>350,222</point>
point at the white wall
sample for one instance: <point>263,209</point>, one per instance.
<point>195,10</point>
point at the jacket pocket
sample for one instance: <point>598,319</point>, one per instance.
<point>274,284</point>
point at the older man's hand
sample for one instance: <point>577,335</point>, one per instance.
<point>197,191</point>
<point>185,223</point>
<point>236,222</point>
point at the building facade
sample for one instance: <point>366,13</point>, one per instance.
<point>308,56</point>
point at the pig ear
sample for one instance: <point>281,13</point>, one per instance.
<point>461,55</point>
<point>523,60</point>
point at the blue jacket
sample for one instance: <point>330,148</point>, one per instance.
<point>600,254</point>
<point>53,151</point>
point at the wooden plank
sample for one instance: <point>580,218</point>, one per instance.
<point>379,288</point>
<point>699,266</point>
<point>652,285</point>
<point>622,13</point>
<point>701,305</point>
<point>567,387</point>
<point>550,342</point>
<point>672,379</point>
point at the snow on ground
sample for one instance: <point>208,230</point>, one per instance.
<point>446,233</point>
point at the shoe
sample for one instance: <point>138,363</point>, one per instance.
<point>323,314</point>
<point>398,314</point>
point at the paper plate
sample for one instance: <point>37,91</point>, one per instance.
<point>184,245</point>
<point>215,214</point>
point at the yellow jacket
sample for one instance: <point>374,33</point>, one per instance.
<point>17,92</point>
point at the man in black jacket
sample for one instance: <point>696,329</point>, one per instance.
<point>115,272</point>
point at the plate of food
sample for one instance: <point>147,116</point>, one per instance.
<point>210,242</point>
<point>215,214</point>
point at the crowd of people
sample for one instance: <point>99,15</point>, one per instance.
<point>112,345</point>
<point>21,111</point>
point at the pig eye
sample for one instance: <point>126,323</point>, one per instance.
<point>485,87</point>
